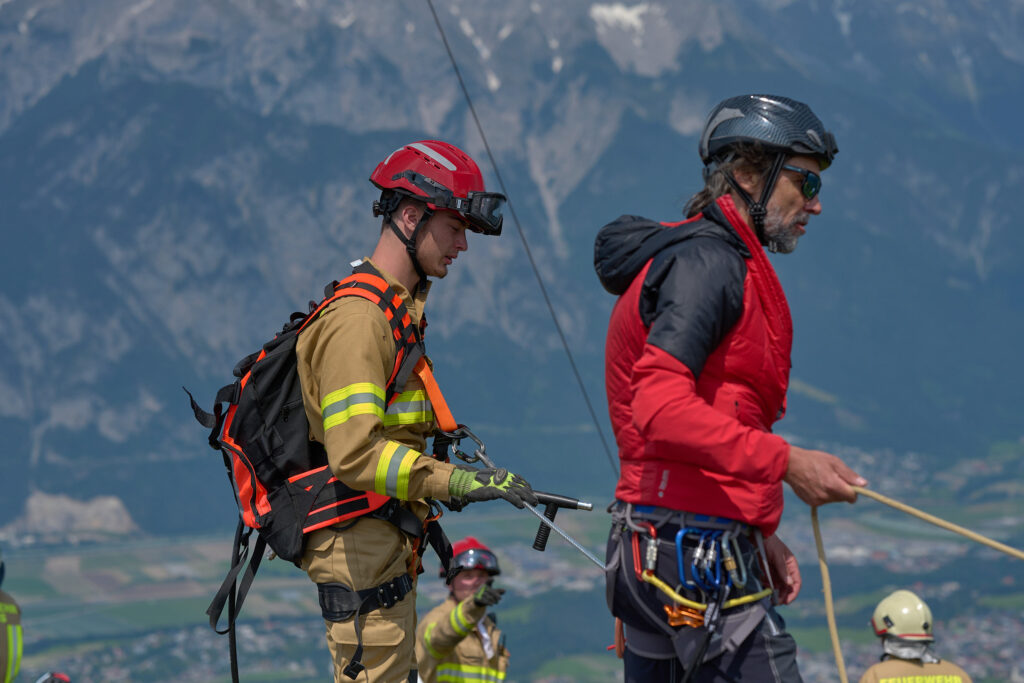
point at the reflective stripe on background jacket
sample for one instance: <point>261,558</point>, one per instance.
<point>904,671</point>
<point>697,365</point>
<point>11,642</point>
<point>449,646</point>
<point>344,360</point>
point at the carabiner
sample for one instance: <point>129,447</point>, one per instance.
<point>698,558</point>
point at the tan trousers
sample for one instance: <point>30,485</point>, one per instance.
<point>364,556</point>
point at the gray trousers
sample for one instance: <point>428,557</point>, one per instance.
<point>767,654</point>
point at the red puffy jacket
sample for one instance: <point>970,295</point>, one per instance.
<point>696,365</point>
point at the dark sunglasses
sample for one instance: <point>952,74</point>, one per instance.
<point>812,181</point>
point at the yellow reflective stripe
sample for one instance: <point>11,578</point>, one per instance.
<point>14,650</point>
<point>453,673</point>
<point>458,621</point>
<point>409,407</point>
<point>426,641</point>
<point>423,416</point>
<point>381,476</point>
<point>404,470</point>
<point>393,469</point>
<point>414,395</point>
<point>361,398</point>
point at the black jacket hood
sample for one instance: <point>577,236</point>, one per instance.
<point>624,246</point>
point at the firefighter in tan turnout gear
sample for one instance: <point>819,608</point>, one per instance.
<point>904,623</point>
<point>431,194</point>
<point>458,640</point>
<point>10,634</point>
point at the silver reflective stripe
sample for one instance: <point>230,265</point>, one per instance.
<point>408,407</point>
<point>349,401</point>
<point>435,155</point>
<point>391,481</point>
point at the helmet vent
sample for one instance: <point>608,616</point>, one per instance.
<point>436,156</point>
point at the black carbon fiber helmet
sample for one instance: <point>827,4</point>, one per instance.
<point>777,123</point>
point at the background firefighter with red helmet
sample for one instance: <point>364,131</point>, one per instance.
<point>458,640</point>
<point>696,368</point>
<point>431,194</point>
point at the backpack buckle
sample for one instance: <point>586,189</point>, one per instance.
<point>387,595</point>
<point>390,593</point>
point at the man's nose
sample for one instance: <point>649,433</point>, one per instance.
<point>813,206</point>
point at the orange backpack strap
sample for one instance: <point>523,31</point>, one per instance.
<point>367,282</point>
<point>445,421</point>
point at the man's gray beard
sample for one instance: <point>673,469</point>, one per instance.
<point>782,237</point>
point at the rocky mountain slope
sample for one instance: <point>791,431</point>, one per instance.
<point>176,177</point>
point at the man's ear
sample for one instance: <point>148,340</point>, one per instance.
<point>409,214</point>
<point>749,180</point>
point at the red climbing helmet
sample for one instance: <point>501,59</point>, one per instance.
<point>442,176</point>
<point>470,553</point>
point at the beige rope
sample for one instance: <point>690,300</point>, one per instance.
<point>1013,552</point>
<point>826,584</point>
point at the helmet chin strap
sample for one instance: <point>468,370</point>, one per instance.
<point>410,243</point>
<point>759,210</point>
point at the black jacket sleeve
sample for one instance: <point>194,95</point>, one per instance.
<point>692,296</point>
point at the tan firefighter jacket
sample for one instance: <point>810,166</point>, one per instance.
<point>913,671</point>
<point>451,644</point>
<point>344,360</point>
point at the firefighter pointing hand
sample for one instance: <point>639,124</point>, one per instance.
<point>458,640</point>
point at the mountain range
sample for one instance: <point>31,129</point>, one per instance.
<point>176,178</point>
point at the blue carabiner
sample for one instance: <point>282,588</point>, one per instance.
<point>680,535</point>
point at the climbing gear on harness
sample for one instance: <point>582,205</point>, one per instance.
<point>282,483</point>
<point>473,485</point>
<point>679,589</point>
<point>480,455</point>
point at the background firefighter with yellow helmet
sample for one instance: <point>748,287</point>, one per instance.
<point>458,640</point>
<point>904,623</point>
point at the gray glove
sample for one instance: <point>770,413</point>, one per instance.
<point>488,595</point>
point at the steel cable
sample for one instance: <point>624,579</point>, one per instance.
<point>522,237</point>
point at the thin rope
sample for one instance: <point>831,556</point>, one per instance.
<point>949,526</point>
<point>522,237</point>
<point>902,507</point>
<point>826,586</point>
